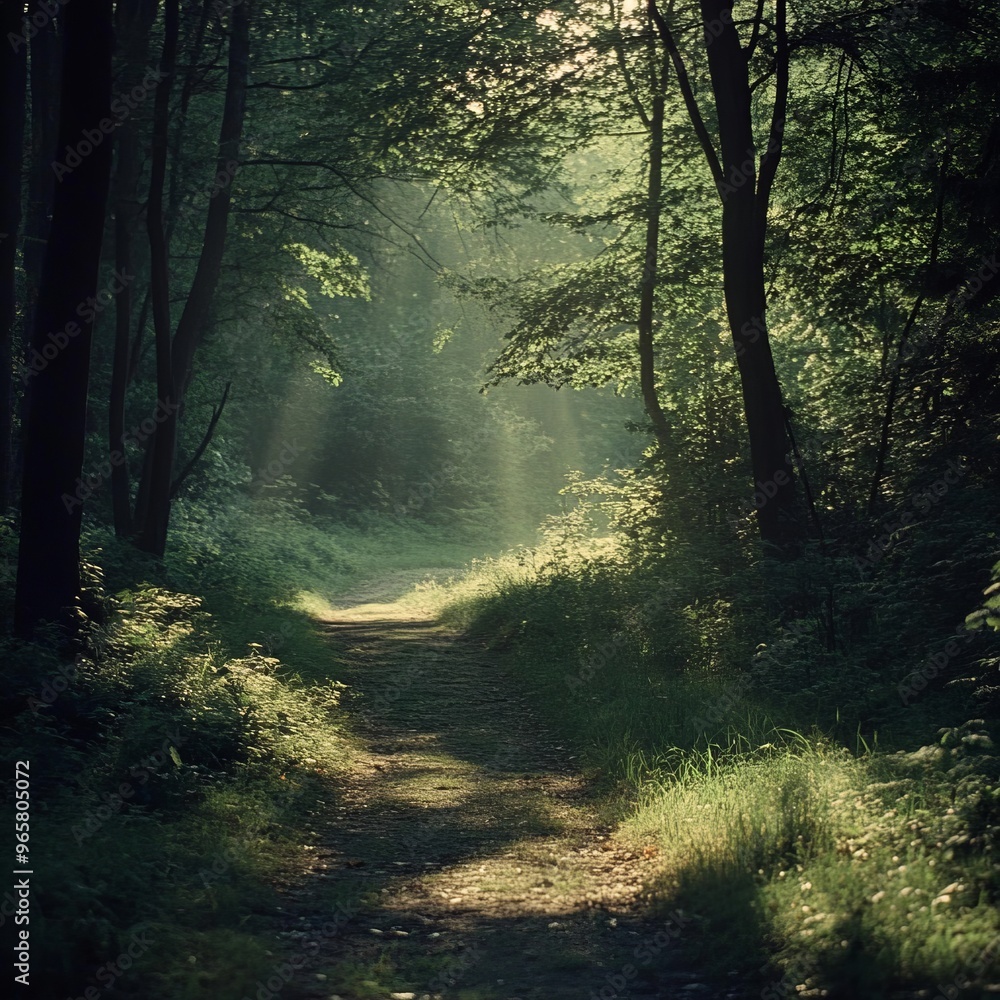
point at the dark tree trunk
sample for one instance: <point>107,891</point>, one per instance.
<point>13,81</point>
<point>647,293</point>
<point>48,571</point>
<point>43,81</point>
<point>746,195</point>
<point>134,19</point>
<point>191,327</point>
<point>196,59</point>
<point>126,217</point>
<point>156,490</point>
<point>745,199</point>
<point>156,467</point>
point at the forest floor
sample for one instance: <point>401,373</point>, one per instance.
<point>461,852</point>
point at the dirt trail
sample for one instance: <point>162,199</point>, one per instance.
<point>473,862</point>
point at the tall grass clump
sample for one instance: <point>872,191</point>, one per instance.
<point>185,765</point>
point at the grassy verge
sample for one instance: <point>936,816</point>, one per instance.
<point>831,840</point>
<point>175,762</point>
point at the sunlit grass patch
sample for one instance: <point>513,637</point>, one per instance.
<point>838,867</point>
<point>311,603</point>
<point>743,812</point>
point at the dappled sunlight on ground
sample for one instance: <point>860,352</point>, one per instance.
<point>462,840</point>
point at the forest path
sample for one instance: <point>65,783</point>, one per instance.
<point>475,864</point>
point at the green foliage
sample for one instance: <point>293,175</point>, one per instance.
<point>186,746</point>
<point>988,614</point>
<point>338,276</point>
<point>793,736</point>
<point>685,691</point>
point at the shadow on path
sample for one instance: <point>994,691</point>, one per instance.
<point>460,855</point>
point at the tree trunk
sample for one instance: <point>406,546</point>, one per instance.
<point>13,81</point>
<point>157,462</point>
<point>43,81</point>
<point>134,19</point>
<point>157,485</point>
<point>745,199</point>
<point>48,572</point>
<point>191,327</point>
<point>647,294</point>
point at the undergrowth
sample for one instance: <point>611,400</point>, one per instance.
<point>821,798</point>
<point>175,760</point>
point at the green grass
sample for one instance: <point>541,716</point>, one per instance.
<point>174,769</point>
<point>767,779</point>
<point>814,855</point>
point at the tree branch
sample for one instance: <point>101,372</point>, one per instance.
<point>694,113</point>
<point>367,199</point>
<point>772,155</point>
<point>630,87</point>
<point>755,34</point>
<point>200,450</point>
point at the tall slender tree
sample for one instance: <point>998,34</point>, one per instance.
<point>134,18</point>
<point>48,571</point>
<point>175,350</point>
<point>44,67</point>
<point>13,79</point>
<point>744,187</point>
